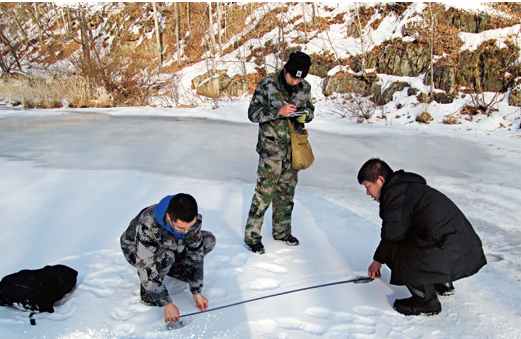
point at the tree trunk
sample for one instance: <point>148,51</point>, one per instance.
<point>13,53</point>
<point>305,25</point>
<point>178,42</point>
<point>69,20</point>
<point>158,38</point>
<point>314,13</point>
<point>87,64</point>
<point>210,29</point>
<point>211,36</point>
<point>37,19</point>
<point>219,20</point>
<point>188,17</point>
<point>359,25</point>
<point>433,27</point>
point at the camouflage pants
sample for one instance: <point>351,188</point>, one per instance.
<point>181,269</point>
<point>276,183</point>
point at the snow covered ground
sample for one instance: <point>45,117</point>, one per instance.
<point>70,183</point>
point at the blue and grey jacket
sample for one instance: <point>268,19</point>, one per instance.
<point>152,246</point>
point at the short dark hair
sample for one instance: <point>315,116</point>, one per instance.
<point>372,169</point>
<point>182,207</point>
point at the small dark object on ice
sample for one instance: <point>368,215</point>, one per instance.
<point>180,324</point>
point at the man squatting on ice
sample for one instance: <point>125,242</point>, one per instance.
<point>275,98</point>
<point>426,240</point>
<point>166,239</point>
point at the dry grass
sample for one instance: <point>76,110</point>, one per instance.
<point>36,92</point>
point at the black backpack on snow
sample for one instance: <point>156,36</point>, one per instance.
<point>37,290</point>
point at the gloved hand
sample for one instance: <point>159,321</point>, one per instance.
<point>302,119</point>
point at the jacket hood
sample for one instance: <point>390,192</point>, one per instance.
<point>402,177</point>
<point>160,213</point>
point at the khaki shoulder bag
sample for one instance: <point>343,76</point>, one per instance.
<point>302,156</point>
<point>301,153</point>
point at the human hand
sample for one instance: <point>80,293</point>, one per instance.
<point>201,302</point>
<point>302,119</point>
<point>374,270</point>
<point>287,109</point>
<point>171,313</point>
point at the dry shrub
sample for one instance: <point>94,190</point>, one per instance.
<point>482,103</point>
<point>424,117</point>
<point>353,106</point>
<point>450,121</point>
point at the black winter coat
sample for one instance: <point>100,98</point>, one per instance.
<point>425,238</point>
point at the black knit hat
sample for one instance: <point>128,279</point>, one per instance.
<point>298,64</point>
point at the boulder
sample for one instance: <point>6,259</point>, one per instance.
<point>209,88</point>
<point>404,59</point>
<point>344,83</point>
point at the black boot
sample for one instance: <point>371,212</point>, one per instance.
<point>423,301</point>
<point>444,289</point>
<point>289,240</point>
<point>256,248</point>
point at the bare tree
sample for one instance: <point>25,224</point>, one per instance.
<point>314,12</point>
<point>219,21</point>
<point>211,36</point>
<point>37,22</point>
<point>359,25</point>
<point>178,42</point>
<point>87,64</point>
<point>14,16</point>
<point>5,64</point>
<point>433,28</point>
<point>188,17</point>
<point>305,25</point>
<point>158,37</point>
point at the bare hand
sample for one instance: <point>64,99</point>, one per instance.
<point>201,302</point>
<point>171,313</point>
<point>287,109</point>
<point>374,270</point>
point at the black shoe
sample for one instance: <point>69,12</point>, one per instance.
<point>257,248</point>
<point>289,240</point>
<point>444,289</point>
<point>417,306</point>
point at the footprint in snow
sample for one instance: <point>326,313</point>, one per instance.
<point>263,284</point>
<point>129,310</point>
<point>215,292</point>
<point>273,268</point>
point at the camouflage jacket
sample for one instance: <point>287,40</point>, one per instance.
<point>152,249</point>
<point>274,140</point>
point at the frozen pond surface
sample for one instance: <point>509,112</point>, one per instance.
<point>70,182</point>
<point>204,148</point>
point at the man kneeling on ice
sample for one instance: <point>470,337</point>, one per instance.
<point>166,239</point>
<point>425,239</point>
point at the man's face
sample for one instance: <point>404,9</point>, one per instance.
<point>290,79</point>
<point>374,189</point>
<point>181,226</point>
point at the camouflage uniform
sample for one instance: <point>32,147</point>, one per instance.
<point>276,179</point>
<point>156,252</point>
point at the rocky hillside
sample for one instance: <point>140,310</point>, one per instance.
<point>181,53</point>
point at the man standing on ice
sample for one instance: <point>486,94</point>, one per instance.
<point>166,239</point>
<point>275,98</point>
<point>426,240</point>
